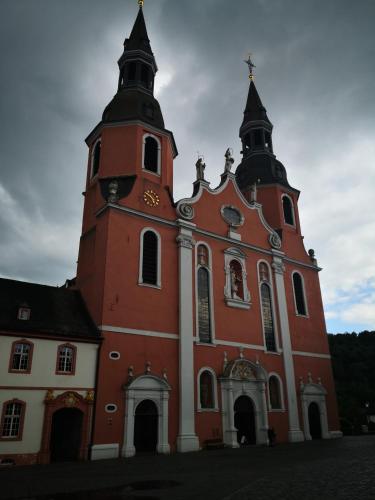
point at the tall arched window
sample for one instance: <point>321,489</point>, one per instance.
<point>150,258</point>
<point>12,420</point>
<point>151,156</point>
<point>21,356</point>
<point>274,393</point>
<point>267,308</point>
<point>132,68</point>
<point>299,294</point>
<point>66,359</point>
<point>268,326</point>
<point>206,390</point>
<point>203,290</point>
<point>96,158</point>
<point>145,75</point>
<point>288,210</point>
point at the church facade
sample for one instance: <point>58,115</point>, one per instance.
<point>209,308</point>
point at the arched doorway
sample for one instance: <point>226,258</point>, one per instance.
<point>244,420</point>
<point>66,434</point>
<point>314,421</point>
<point>146,427</point>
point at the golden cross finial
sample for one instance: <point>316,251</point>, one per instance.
<point>251,65</point>
<point>140,3</point>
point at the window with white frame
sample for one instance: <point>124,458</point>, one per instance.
<point>236,291</point>
<point>150,258</point>
<point>265,291</point>
<point>274,392</point>
<point>95,158</point>
<point>151,154</point>
<point>11,422</point>
<point>204,291</point>
<point>21,356</point>
<point>66,359</point>
<point>288,210</point>
<point>299,294</point>
<point>207,390</point>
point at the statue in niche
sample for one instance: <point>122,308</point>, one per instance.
<point>200,165</point>
<point>235,280</point>
<point>229,160</point>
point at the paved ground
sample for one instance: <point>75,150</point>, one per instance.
<point>339,469</point>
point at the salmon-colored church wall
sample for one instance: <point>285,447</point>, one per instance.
<point>134,351</point>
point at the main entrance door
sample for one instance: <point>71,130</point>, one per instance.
<point>314,421</point>
<point>244,420</point>
<point>146,427</point>
<point>66,434</point>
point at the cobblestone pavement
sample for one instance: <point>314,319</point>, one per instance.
<point>342,469</point>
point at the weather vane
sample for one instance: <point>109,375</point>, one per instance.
<point>140,3</point>
<point>251,65</point>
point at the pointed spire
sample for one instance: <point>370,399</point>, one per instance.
<point>254,109</point>
<point>138,39</point>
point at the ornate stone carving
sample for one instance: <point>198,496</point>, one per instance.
<point>113,191</point>
<point>242,370</point>
<point>70,400</point>
<point>229,160</point>
<point>274,241</point>
<point>186,211</point>
<point>278,267</point>
<point>185,241</point>
<point>148,367</point>
<point>164,373</point>
<point>49,395</point>
<point>200,166</point>
<point>90,396</point>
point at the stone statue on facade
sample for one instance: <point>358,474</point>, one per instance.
<point>200,165</point>
<point>229,160</point>
<point>234,280</point>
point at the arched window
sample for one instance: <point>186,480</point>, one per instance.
<point>264,272</point>
<point>132,68</point>
<point>12,420</point>
<point>206,390</point>
<point>204,323</point>
<point>145,75</point>
<point>268,326</point>
<point>151,154</point>
<point>149,272</point>
<point>288,210</point>
<point>203,294</point>
<point>299,294</point>
<point>96,158</point>
<point>150,258</point>
<point>66,359</point>
<point>21,356</point>
<point>274,393</point>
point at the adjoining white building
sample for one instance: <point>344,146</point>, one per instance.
<point>48,356</point>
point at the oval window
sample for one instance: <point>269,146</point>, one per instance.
<point>110,408</point>
<point>114,355</point>
<point>232,216</point>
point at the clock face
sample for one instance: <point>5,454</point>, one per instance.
<point>151,198</point>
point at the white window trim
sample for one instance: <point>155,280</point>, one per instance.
<point>158,172</point>
<point>108,410</point>
<point>214,388</point>
<point>99,139</point>
<point>210,284</point>
<point>116,354</point>
<point>275,328</point>
<point>306,315</point>
<point>158,274</point>
<point>281,391</point>
<point>293,212</point>
<point>231,254</point>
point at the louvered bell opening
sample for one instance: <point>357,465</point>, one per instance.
<point>150,258</point>
<point>267,318</point>
<point>204,323</point>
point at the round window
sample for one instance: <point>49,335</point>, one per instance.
<point>232,216</point>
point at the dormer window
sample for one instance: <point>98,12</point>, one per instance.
<point>24,312</point>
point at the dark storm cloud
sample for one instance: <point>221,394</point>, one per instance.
<point>315,73</point>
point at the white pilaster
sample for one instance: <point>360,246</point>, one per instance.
<point>128,449</point>
<point>295,434</point>
<point>230,432</point>
<point>186,439</point>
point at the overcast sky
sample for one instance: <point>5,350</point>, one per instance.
<point>315,73</point>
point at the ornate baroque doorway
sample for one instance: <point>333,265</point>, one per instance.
<point>243,386</point>
<point>66,434</point>
<point>314,411</point>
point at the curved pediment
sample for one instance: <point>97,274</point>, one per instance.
<point>148,382</point>
<point>243,369</point>
<point>312,389</point>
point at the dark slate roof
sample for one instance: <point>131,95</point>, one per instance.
<point>254,109</point>
<point>262,168</point>
<point>54,311</point>
<point>138,39</point>
<point>134,104</point>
